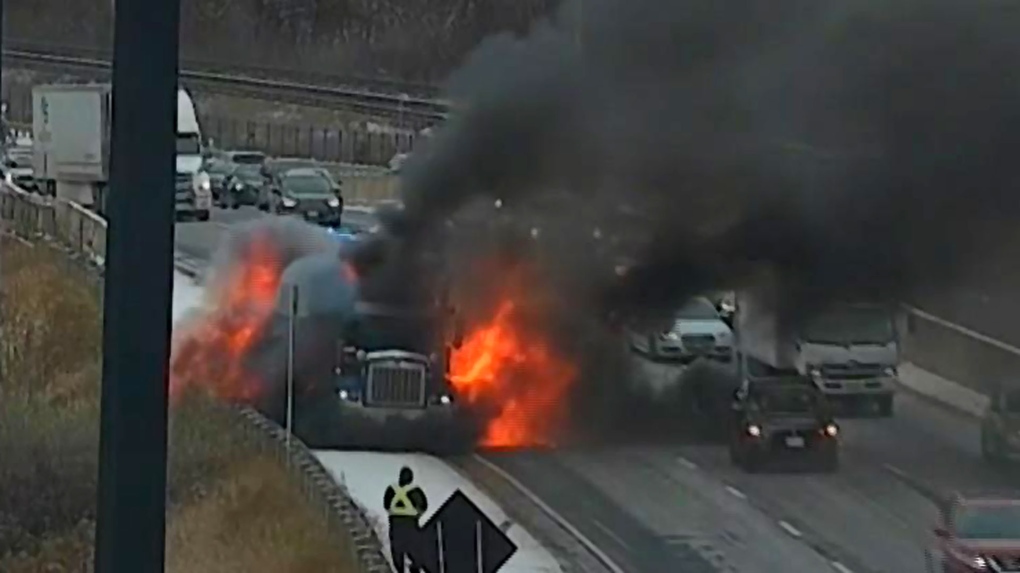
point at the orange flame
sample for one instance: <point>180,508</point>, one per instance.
<point>209,353</point>
<point>511,370</point>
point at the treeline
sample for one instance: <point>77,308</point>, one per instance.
<point>418,41</point>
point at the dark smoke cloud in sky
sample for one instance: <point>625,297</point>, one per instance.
<point>854,146</point>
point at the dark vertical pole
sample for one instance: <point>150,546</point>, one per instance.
<point>136,330</point>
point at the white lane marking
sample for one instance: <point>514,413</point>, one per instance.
<point>736,492</point>
<point>841,568</point>
<point>610,534</point>
<point>790,529</point>
<point>895,470</point>
<point>687,463</point>
<point>606,561</point>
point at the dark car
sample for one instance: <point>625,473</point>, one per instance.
<point>782,417</point>
<point>977,534</point>
<point>243,186</point>
<point>218,170</point>
<point>273,168</point>
<point>306,193</point>
<point>1000,426</point>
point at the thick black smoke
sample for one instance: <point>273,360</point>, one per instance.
<point>855,147</point>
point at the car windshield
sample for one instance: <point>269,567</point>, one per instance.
<point>988,522</point>
<point>248,173</point>
<point>851,326</point>
<point>218,167</point>
<point>698,309</point>
<point>303,185</point>
<point>786,400</point>
<point>249,158</point>
<point>189,144</point>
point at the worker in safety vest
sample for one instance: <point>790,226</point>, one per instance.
<point>405,503</point>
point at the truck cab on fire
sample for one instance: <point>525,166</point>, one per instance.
<point>391,358</point>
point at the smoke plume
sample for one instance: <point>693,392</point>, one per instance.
<point>862,147</point>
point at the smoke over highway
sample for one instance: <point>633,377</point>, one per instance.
<point>855,148</point>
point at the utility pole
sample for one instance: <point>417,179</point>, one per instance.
<point>131,521</point>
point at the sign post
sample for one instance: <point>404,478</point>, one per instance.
<point>291,337</point>
<point>131,504</point>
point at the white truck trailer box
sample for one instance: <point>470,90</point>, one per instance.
<point>71,127</point>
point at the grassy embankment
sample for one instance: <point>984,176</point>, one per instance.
<point>233,508</point>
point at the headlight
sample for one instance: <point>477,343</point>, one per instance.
<point>445,399</point>
<point>754,430</point>
<point>671,336</point>
<point>816,373</point>
<point>890,371</point>
<point>831,430</point>
<point>333,202</point>
<point>978,562</point>
<point>288,202</point>
<point>239,186</point>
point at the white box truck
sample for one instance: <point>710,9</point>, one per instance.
<point>71,149</point>
<point>850,349</point>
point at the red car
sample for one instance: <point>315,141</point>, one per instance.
<point>977,534</point>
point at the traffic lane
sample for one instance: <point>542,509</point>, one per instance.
<point>624,539</point>
<point>931,447</point>
<point>871,521</point>
<point>691,513</point>
<point>200,240</point>
<point>861,517</point>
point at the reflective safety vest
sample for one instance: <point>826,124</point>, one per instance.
<point>401,505</point>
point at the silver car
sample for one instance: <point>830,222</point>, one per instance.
<point>697,331</point>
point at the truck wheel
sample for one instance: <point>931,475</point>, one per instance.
<point>202,216</point>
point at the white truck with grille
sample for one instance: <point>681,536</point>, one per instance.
<point>850,348</point>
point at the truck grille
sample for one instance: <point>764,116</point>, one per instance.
<point>852,371</point>
<point>698,342</point>
<point>400,385</point>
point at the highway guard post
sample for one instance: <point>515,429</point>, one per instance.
<point>131,520</point>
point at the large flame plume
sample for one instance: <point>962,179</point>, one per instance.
<point>509,369</point>
<point>211,346</point>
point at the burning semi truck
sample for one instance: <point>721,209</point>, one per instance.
<point>370,365</point>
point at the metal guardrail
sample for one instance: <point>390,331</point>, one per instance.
<point>423,110</point>
<point>83,233</point>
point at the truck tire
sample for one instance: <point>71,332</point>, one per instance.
<point>202,216</point>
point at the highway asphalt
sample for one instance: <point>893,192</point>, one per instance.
<point>682,507</point>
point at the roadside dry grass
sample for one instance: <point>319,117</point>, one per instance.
<point>233,508</point>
